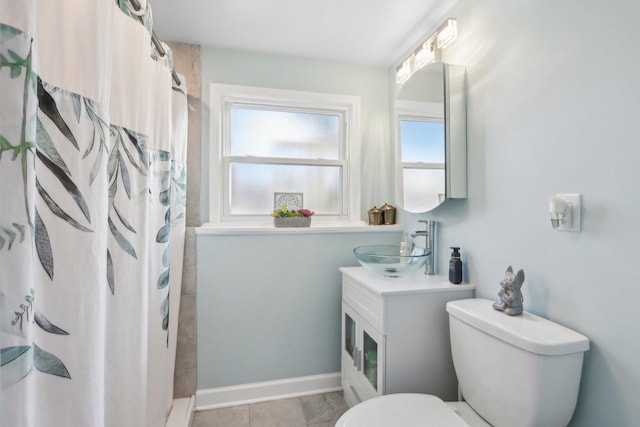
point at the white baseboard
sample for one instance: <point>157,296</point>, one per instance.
<point>243,394</point>
<point>181,412</point>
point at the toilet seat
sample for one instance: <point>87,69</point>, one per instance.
<point>402,409</point>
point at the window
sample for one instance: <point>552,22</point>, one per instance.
<point>268,141</point>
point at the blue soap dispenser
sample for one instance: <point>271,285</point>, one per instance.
<point>455,267</point>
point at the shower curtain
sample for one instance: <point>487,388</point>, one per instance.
<point>92,202</point>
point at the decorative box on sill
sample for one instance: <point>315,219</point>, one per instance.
<point>292,221</point>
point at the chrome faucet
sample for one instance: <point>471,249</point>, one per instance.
<point>429,234</point>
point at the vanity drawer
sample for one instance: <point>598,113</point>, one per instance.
<point>366,303</point>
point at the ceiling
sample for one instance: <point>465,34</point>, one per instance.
<point>368,32</point>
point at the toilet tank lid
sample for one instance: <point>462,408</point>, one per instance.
<point>528,331</point>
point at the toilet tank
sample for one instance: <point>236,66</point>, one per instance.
<point>515,370</point>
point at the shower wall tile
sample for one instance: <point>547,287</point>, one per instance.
<point>185,378</point>
<point>186,61</point>
<point>189,263</point>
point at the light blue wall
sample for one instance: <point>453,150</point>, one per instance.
<point>278,315</point>
<point>554,107</point>
<point>269,306</point>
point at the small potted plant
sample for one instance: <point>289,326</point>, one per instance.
<point>284,217</point>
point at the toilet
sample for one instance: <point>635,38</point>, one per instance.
<point>512,371</point>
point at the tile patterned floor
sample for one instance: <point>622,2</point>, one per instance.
<point>321,410</point>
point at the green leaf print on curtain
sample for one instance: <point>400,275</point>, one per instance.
<point>18,361</point>
<point>43,151</point>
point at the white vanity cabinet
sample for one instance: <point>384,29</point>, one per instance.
<point>395,334</point>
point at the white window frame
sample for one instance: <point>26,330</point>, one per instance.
<point>222,96</point>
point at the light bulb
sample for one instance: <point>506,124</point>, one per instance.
<point>424,55</point>
<point>403,72</point>
<point>447,34</point>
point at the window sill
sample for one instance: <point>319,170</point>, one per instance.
<point>315,228</point>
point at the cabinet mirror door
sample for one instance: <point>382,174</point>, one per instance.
<point>431,138</point>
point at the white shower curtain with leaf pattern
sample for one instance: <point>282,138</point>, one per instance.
<point>92,201</point>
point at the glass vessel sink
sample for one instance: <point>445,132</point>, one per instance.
<point>389,261</point>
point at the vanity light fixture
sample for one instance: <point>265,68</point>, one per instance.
<point>564,210</point>
<point>447,33</point>
<point>428,50</point>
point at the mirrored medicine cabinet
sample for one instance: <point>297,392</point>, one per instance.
<point>431,138</point>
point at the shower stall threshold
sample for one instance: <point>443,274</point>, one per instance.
<point>181,412</point>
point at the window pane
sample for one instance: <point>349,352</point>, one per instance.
<point>423,188</point>
<point>422,141</point>
<point>252,187</point>
<point>370,360</point>
<point>350,336</point>
<point>265,133</point>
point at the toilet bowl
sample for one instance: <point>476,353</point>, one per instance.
<point>512,371</point>
<point>410,410</point>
